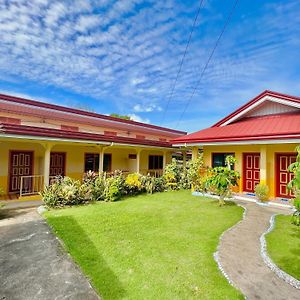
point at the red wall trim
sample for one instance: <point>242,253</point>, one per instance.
<point>69,128</point>
<point>8,120</point>
<point>50,132</point>
<point>110,133</point>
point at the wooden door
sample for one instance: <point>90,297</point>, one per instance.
<point>57,164</point>
<point>20,164</point>
<point>251,174</point>
<point>283,177</point>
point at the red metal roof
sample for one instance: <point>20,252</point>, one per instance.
<point>79,112</point>
<point>13,129</point>
<point>279,126</point>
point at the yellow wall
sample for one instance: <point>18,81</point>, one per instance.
<point>74,158</point>
<point>238,150</point>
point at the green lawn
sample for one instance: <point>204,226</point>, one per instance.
<point>283,245</point>
<point>156,246</point>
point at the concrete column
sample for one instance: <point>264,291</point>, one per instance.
<point>138,160</point>
<point>263,164</point>
<point>164,159</point>
<point>101,160</point>
<point>47,155</point>
<point>184,159</point>
<point>195,153</point>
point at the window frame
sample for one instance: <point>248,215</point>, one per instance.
<point>157,161</point>
<point>225,154</point>
<point>96,157</point>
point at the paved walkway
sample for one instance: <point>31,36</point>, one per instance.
<point>239,254</point>
<point>32,263</point>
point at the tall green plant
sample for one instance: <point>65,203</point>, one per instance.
<point>193,172</point>
<point>294,185</point>
<point>221,179</point>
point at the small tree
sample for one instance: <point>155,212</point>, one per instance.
<point>221,180</point>
<point>294,185</point>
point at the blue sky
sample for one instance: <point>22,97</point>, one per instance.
<point>122,56</point>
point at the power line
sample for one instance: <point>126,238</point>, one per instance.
<point>182,60</point>
<point>208,61</point>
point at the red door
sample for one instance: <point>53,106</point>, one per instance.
<point>57,164</point>
<point>283,177</point>
<point>20,164</point>
<point>251,162</point>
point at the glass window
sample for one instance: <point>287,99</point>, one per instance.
<point>219,159</point>
<point>155,162</point>
<point>91,162</point>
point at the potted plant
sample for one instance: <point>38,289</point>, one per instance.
<point>262,192</point>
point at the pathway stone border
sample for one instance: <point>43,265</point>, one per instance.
<point>269,262</point>
<point>216,253</point>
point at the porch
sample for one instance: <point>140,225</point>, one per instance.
<point>26,166</point>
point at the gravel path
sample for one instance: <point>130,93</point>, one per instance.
<point>32,263</point>
<point>240,257</point>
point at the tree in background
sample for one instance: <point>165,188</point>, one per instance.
<point>120,116</point>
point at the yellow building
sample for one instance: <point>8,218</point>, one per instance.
<point>262,135</point>
<point>39,141</point>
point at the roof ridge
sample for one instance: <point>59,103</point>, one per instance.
<point>255,99</point>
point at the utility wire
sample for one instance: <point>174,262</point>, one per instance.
<point>182,60</point>
<point>208,61</point>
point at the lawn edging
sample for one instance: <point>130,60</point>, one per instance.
<point>269,262</point>
<point>216,254</point>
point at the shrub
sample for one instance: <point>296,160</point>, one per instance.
<point>114,187</point>
<point>133,184</point>
<point>65,191</point>
<point>262,192</point>
<point>296,214</point>
<point>193,170</point>
<point>172,175</point>
<point>294,185</point>
<point>94,185</point>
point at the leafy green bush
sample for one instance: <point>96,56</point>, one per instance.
<point>262,192</point>
<point>175,176</point>
<point>65,191</point>
<point>193,171</point>
<point>294,185</point>
<point>95,184</point>
<point>296,214</point>
<point>114,187</point>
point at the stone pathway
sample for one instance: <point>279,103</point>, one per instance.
<point>32,262</point>
<point>240,258</point>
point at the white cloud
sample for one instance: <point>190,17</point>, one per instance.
<point>137,118</point>
<point>146,108</point>
<point>125,52</point>
<point>87,22</point>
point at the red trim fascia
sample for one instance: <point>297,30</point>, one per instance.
<point>240,138</point>
<point>257,98</point>
<point>84,113</point>
<point>49,132</point>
